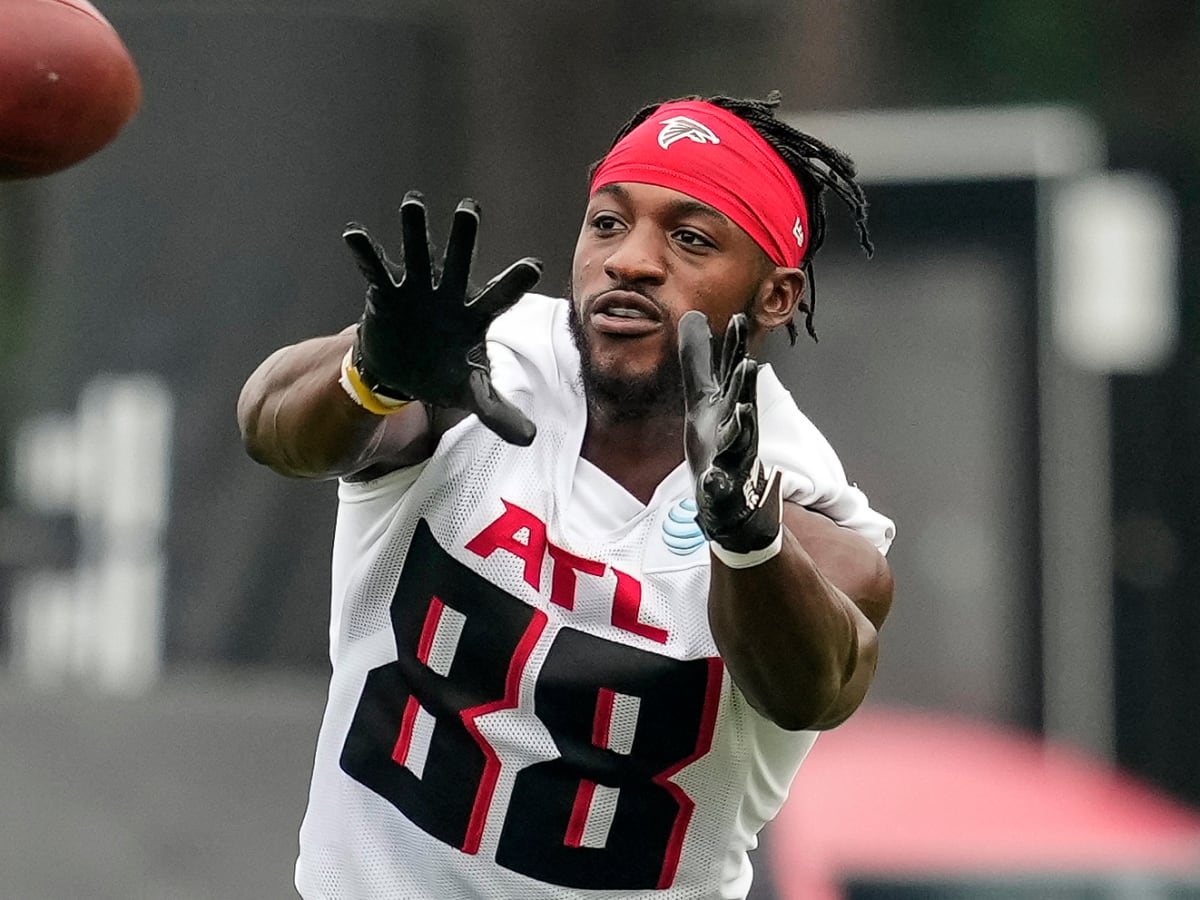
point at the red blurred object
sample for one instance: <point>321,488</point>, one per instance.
<point>67,85</point>
<point>905,794</point>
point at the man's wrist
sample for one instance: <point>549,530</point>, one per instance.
<point>758,537</point>
<point>735,560</point>
<point>371,400</point>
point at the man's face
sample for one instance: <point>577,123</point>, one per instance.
<point>645,256</point>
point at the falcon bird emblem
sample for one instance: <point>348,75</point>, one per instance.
<point>677,128</point>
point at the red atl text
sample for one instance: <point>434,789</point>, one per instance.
<point>503,534</point>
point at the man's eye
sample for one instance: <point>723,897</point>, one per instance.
<point>606,223</point>
<point>692,238</point>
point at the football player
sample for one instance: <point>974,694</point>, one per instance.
<point>597,582</point>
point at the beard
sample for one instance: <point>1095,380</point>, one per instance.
<point>625,398</point>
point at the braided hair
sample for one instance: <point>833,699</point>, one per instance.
<point>816,165</point>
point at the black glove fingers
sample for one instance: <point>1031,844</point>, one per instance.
<point>733,349</point>
<point>505,289</point>
<point>415,231</point>
<point>723,440</point>
<point>737,438</point>
<point>496,412</point>
<point>747,378</point>
<point>695,356</point>
<point>460,248</point>
<point>743,449</point>
<point>368,255</point>
<point>742,384</point>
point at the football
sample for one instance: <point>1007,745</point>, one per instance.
<point>68,85</point>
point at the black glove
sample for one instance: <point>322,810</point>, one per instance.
<point>422,338</point>
<point>737,507</point>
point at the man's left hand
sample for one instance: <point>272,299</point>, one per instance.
<point>738,502</point>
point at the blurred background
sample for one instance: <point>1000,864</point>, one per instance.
<point>1014,377</point>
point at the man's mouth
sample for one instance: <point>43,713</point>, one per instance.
<point>625,314</point>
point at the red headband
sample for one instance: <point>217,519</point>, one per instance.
<point>715,156</point>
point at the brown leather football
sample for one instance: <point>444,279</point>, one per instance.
<point>68,85</point>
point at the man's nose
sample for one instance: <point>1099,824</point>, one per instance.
<point>638,257</point>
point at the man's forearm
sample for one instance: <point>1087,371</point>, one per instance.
<point>798,632</point>
<point>296,418</point>
<point>788,638</point>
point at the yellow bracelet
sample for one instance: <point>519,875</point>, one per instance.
<point>353,384</point>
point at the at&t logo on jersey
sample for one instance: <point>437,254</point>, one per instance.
<point>681,534</point>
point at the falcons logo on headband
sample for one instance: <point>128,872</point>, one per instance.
<point>677,128</point>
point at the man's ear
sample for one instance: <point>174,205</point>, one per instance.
<point>781,293</point>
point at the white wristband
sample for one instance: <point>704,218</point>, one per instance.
<point>746,560</point>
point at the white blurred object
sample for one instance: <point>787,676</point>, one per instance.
<point>109,466</point>
<point>914,146</point>
<point>1115,259</point>
<point>1057,150</point>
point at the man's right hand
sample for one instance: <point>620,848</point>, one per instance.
<point>422,337</point>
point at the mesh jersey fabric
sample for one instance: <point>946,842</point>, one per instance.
<point>526,700</point>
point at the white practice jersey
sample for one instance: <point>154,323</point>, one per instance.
<point>526,699</point>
